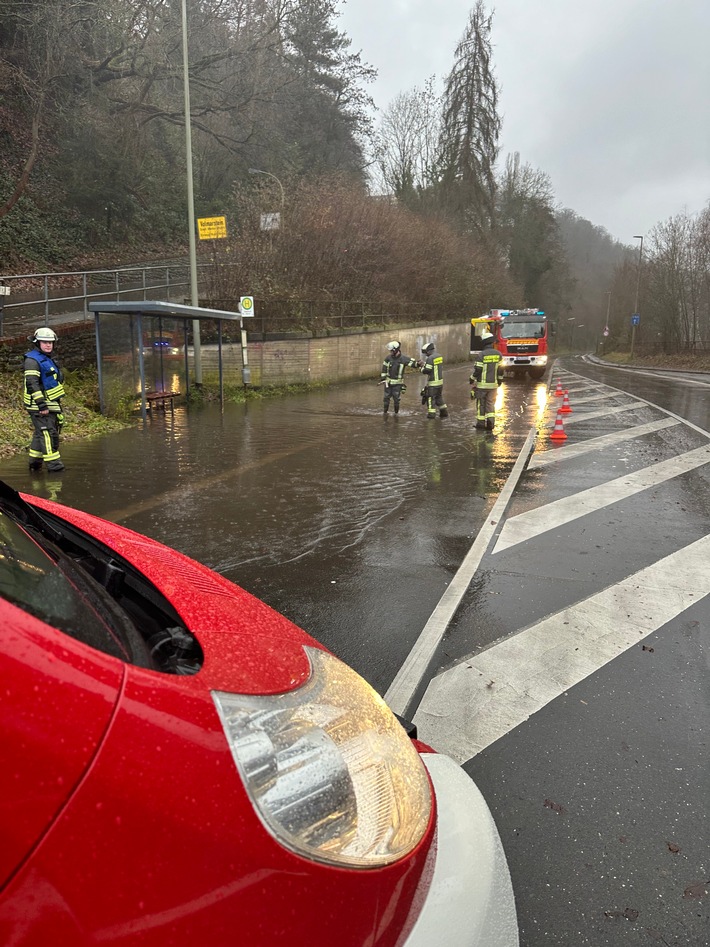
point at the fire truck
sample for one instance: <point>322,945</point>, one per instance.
<point>522,337</point>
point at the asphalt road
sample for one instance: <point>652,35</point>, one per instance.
<point>573,679</point>
<point>567,667</point>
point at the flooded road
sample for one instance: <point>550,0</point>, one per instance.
<point>350,523</point>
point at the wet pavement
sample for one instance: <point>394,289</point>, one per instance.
<point>354,526</point>
<point>349,523</point>
<point>573,680</point>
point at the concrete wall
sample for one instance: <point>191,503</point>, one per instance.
<point>334,358</point>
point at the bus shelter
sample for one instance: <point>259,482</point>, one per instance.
<point>142,350</point>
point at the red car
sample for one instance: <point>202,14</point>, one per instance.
<point>182,765</point>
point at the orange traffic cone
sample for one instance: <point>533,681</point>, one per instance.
<point>566,406</point>
<point>558,391</point>
<point>558,433</point>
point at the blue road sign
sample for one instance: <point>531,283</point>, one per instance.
<point>635,319</point>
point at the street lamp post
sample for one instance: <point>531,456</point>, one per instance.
<point>638,285</point>
<point>270,175</point>
<point>194,296</point>
<point>605,333</point>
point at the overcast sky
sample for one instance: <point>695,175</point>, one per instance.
<point>611,98</point>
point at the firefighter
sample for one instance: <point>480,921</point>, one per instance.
<point>487,377</point>
<point>392,374</point>
<point>43,391</point>
<point>433,390</point>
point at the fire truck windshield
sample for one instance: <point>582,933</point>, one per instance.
<point>522,330</point>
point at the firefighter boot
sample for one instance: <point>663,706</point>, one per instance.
<point>55,466</point>
<point>444,412</point>
<point>490,424</point>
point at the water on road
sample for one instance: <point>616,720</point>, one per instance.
<point>348,522</point>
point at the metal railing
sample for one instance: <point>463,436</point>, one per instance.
<point>60,298</point>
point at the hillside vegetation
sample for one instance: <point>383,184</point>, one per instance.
<point>420,209</point>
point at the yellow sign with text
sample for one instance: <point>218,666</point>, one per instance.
<point>211,228</point>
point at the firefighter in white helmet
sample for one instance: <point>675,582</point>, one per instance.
<point>486,378</point>
<point>43,391</point>
<point>433,391</point>
<point>392,374</point>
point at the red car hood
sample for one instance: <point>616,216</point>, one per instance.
<point>248,647</point>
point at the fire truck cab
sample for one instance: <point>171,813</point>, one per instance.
<point>522,337</point>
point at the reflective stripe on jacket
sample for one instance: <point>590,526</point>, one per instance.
<point>433,368</point>
<point>43,382</point>
<point>488,370</point>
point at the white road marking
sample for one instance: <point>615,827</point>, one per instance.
<point>473,704</point>
<point>568,451</point>
<point>591,398</point>
<point>602,413</point>
<point>410,675</point>
<point>533,523</point>
<point>660,375</point>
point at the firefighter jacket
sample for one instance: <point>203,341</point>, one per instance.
<point>43,382</point>
<point>488,370</point>
<point>433,368</point>
<point>393,369</point>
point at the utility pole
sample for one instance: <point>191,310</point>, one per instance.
<point>194,295</point>
<point>636,316</point>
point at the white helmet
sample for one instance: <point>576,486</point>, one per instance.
<point>486,335</point>
<point>393,346</point>
<point>45,335</point>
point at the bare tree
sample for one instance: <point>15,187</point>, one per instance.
<point>527,229</point>
<point>407,140</point>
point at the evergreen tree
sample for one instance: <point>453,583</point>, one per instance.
<point>328,114</point>
<point>471,127</point>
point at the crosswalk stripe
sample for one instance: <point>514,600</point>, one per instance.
<point>569,451</point>
<point>602,413</point>
<point>469,706</point>
<point>590,398</point>
<point>533,523</point>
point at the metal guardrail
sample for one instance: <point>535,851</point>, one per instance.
<point>57,298</point>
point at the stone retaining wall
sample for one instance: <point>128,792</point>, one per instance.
<point>335,358</point>
<point>76,348</point>
<point>292,361</point>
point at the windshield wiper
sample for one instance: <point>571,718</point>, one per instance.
<point>18,509</point>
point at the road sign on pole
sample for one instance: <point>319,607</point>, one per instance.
<point>246,308</point>
<point>211,228</point>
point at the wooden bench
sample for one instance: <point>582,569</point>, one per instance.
<point>161,399</point>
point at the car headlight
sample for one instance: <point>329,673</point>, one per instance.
<point>330,770</point>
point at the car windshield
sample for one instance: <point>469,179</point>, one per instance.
<point>523,330</point>
<point>36,583</point>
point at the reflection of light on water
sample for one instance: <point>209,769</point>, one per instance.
<point>541,395</point>
<point>500,398</point>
